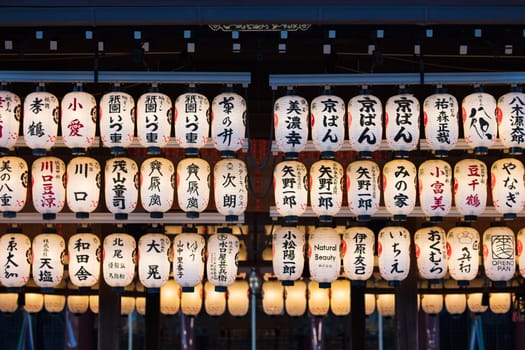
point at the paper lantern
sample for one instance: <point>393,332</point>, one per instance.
<point>435,188</point>
<point>441,122</point>
<point>290,183</point>
<point>290,123</point>
<point>393,250</point>
<point>93,304</point>
<point>510,113</point>
<point>327,119</point>
<point>228,122</point>
<point>84,259</point>
<point>117,120</point>
<point>34,302</point>
<point>8,302</point>
<point>121,186</point>
<point>456,304</point>
<point>49,250</point>
<point>15,258</point>
<point>170,298</point>
<point>480,126</point>
<point>154,117</point>
<point>78,304</point>
<point>432,304</point>
<point>214,302</point>
<point>272,298</point>
<point>508,186</point>
<point>463,253</point>
<point>470,188</point>
<point>243,251</point>
<point>365,123</point>
<point>154,263</point>
<point>340,297</point>
<point>156,185</point>
<point>40,122</point>
<point>193,185</point>
<point>324,255</point>
<point>191,302</point>
<point>399,186</point>
<point>288,254</point>
<point>520,244</point>
<point>230,188</point>
<point>431,252</point>
<point>499,303</point>
<point>48,186</point>
<point>358,253</point>
<point>10,109</point>
<point>386,305</point>
<point>370,304</point>
<point>318,299</point>
<point>140,305</point>
<point>54,303</point>
<point>295,299</point>
<point>188,259</point>
<point>119,259</point>
<point>13,191</point>
<point>362,188</point>
<point>238,298</point>
<point>78,120</point>
<point>221,263</point>
<point>402,123</point>
<point>127,305</point>
<point>474,303</point>
<point>83,185</point>
<point>192,124</point>
<point>499,257</point>
<point>326,188</point>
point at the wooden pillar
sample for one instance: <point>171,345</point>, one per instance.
<point>152,332</point>
<point>357,315</point>
<point>85,331</point>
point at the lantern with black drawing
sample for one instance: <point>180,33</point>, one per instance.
<point>153,259</point>
<point>399,186</point>
<point>326,188</point>
<point>324,255</point>
<point>358,253</point>
<point>230,188</point>
<point>15,258</point>
<point>10,112</point>
<point>49,250</point>
<point>83,185</point>
<point>221,263</point>
<point>290,182</point>
<point>121,186</point>
<point>117,120</point>
<point>119,259</point>
<point>192,124</point>
<point>290,122</point>
<point>499,257</point>
<point>463,244</point>
<point>84,254</point>
<point>13,192</point>
<point>40,122</point>
<point>228,122</point>
<point>365,123</point>
<point>393,250</point>
<point>480,126</point>
<point>327,120</point>
<point>510,114</point>
<point>431,252</point>
<point>362,188</point>
<point>441,122</point>
<point>154,118</point>
<point>193,186</point>
<point>157,185</point>
<point>507,177</point>
<point>288,254</point>
<point>402,123</point>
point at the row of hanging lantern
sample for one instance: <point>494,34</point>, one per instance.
<point>155,115</point>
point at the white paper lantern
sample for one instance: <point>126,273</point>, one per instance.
<point>273,298</point>
<point>520,244</point>
<point>15,258</point>
<point>191,302</point>
<point>78,120</point>
<point>358,253</point>
<point>83,185</point>
<point>474,303</point>
<point>327,119</point>
<point>470,187</point>
<point>230,188</point>
<point>318,299</point>
<point>48,253</point>
<point>127,305</point>
<point>431,252</point>
<point>10,110</point>
<point>386,305</point>
<point>508,186</point>
<point>340,297</point>
<point>362,188</point>
<point>402,123</point>
<point>441,122</point>
<point>13,190</point>
<point>435,188</point>
<point>93,304</point>
<point>40,122</point>
<point>510,113</point>
<point>54,303</point>
<point>480,126</point>
<point>290,122</point>
<point>121,186</point>
<point>399,186</point>
<point>34,302</point>
<point>326,188</point>
<point>288,245</point>
<point>499,257</point>
<point>117,120</point>
<point>84,252</point>
<point>432,304</point>
<point>193,185</point>
<point>290,182</point>
<point>228,122</point>
<point>463,244</point>
<point>214,302</point>
<point>324,256</point>
<point>48,186</point>
<point>140,305</point>
<point>393,250</point>
<point>157,186</point>
<point>192,124</point>
<point>365,123</point>
<point>456,304</point>
<point>295,299</point>
<point>370,304</point>
<point>499,303</point>
<point>119,259</point>
<point>188,259</point>
<point>238,298</point>
<point>78,304</point>
<point>221,263</point>
<point>154,263</point>
<point>170,298</point>
<point>154,118</point>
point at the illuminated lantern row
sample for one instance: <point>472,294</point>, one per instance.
<point>470,187</point>
<point>40,122</point>
<point>230,188</point>
<point>499,258</point>
<point>156,185</point>
<point>78,120</point>
<point>48,186</point>
<point>393,249</point>
<point>288,244</point>
<point>290,182</point>
<point>327,120</point>
<point>117,120</point>
<point>326,188</point>
<point>192,126</point>
<point>119,259</point>
<point>463,245</point>
<point>48,251</point>
<point>340,297</point>
<point>153,260</point>
<point>386,305</point>
<point>399,186</point>
<point>83,185</point>
<point>455,304</point>
<point>228,122</point>
<point>435,188</point>
<point>15,257</point>
<point>365,123</point>
<point>10,112</point>
<point>238,298</point>
<point>193,185</point>
<point>441,122</point>
<point>188,259</point>
<point>290,121</point>
<point>510,115</point>
<point>508,186</point>
<point>402,123</point>
<point>295,299</point>
<point>84,253</point>
<point>479,121</point>
<point>358,253</point>
<point>154,118</point>
<point>324,255</point>
<point>432,304</point>
<point>431,252</point>
<point>121,190</point>
<point>272,298</point>
<point>13,192</point>
<point>363,192</point>
<point>221,262</point>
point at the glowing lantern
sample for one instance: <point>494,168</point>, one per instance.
<point>49,250</point>
<point>192,123</point>
<point>508,186</point>
<point>40,122</point>
<point>295,299</point>
<point>432,303</point>
<point>230,187</point>
<point>365,123</point>
<point>318,299</point>
<point>83,185</point>
<point>154,263</point>
<point>340,297</point>
<point>520,244</point>
<point>10,110</point>
<point>228,122</point>
<point>169,298</point>
<point>324,256</point>
<point>84,259</point>
<point>188,259</point>
<point>54,303</point>
<point>221,263</point>
<point>272,298</point>
<point>34,302</point>
<point>393,250</point>
<point>358,253</point>
<point>214,302</point>
<point>510,120</point>
<point>441,122</point>
<point>77,304</point>
<point>456,304</point>
<point>14,175</point>
<point>402,123</point>
<point>399,186</point>
<point>386,305</point>
<point>15,258</point>
<point>127,305</point>
<point>435,188</point>
<point>8,302</point>
<point>290,189</point>
<point>480,126</point>
<point>121,189</point>
<point>470,188</point>
<point>156,185</point>
<point>431,252</point>
<point>327,119</point>
<point>362,188</point>
<point>290,122</point>
<point>140,304</point>
<point>288,254</point>
<point>119,259</point>
<point>78,120</point>
<point>117,120</point>
<point>499,303</point>
<point>475,303</point>
<point>370,304</point>
<point>193,186</point>
<point>238,298</point>
<point>48,186</point>
<point>463,253</point>
<point>499,253</point>
<point>154,117</point>
<point>326,188</point>
<point>191,302</point>
<point>93,304</point>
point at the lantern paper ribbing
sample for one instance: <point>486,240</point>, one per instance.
<point>441,122</point>
<point>324,255</point>
<point>119,259</point>
<point>54,303</point>
<point>192,123</point>
<point>140,305</point>
<point>40,122</point>
<point>191,302</point>
<point>78,120</point>
<point>48,252</point>
<point>290,122</point>
<point>432,303</point>
<point>318,299</point>
<point>188,259</point>
<point>510,113</point>
<point>431,252</point>
<point>34,302</point>
<point>290,188</point>
<point>358,253</point>
<point>479,121</point>
<point>228,122</point>
<point>272,298</point>
<point>463,253</point>
<point>77,304</point>
<point>10,110</point>
<point>508,186</point>
<point>288,253</point>
<point>84,259</point>
<point>340,297</point>
<point>13,192</point>
<point>365,123</point>
<point>474,303</point>
<point>399,186</point>
<point>499,253</point>
<point>156,185</point>
<point>121,186</point>
<point>295,299</point>
<point>48,185</point>
<point>238,298</point>
<point>169,298</point>
<point>386,305</point>
<point>221,264</point>
<point>327,120</point>
<point>456,304</point>
<point>362,187</point>
<point>370,304</point>
<point>499,303</point>
<point>127,305</point>
<point>326,188</point>
<point>214,302</point>
<point>15,255</point>
<point>470,187</point>
<point>93,304</point>
<point>117,120</point>
<point>83,185</point>
<point>393,250</point>
<point>154,117</point>
<point>402,122</point>
<point>154,264</point>
<point>193,185</point>
<point>435,188</point>
<point>230,188</point>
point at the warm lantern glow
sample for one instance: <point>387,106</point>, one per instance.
<point>520,244</point>
<point>192,126</point>
<point>78,120</point>
<point>326,188</point>
<point>288,253</point>
<point>34,302</point>
<point>441,122</point>
<point>470,187</point>
<point>386,305</point>
<point>188,259</point>
<point>431,252</point>
<point>117,120</point>
<point>140,305</point>
<point>456,304</point>
<point>154,117</point>
<point>365,123</point>
<point>14,175</point>
<point>77,304</point>
<point>295,299</point>
<point>393,249</point>
<point>499,257</point>
<point>474,301</point>
<point>15,255</point>
<point>463,253</point>
<point>170,298</point>
<point>340,297</point>
<point>318,299</point>
<point>327,120</point>
<point>193,185</point>
<point>510,117</point>
<point>499,303</point>
<point>399,186</point>
<point>156,185</point>
<point>93,304</point>
<point>324,255</point>
<point>402,123</point>
<point>508,186</point>
<point>83,185</point>
<point>191,302</point>
<point>358,253</point>
<point>238,298</point>
<point>127,305</point>
<point>230,187</point>
<point>435,188</point>
<point>362,188</point>
<point>118,262</point>
<point>480,126</point>
<point>8,302</point>
<point>84,259</point>
<point>48,252</point>
<point>214,302</point>
<point>228,122</point>
<point>290,122</point>
<point>121,179</point>
<point>221,263</point>
<point>432,303</point>
<point>273,298</point>
<point>40,122</point>
<point>154,263</point>
<point>370,304</point>
<point>48,186</point>
<point>10,110</point>
<point>290,183</point>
